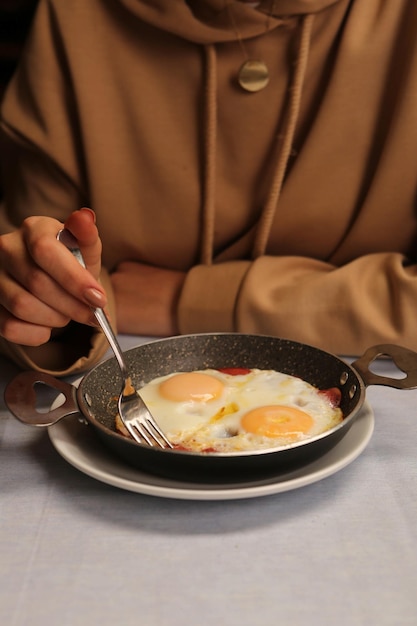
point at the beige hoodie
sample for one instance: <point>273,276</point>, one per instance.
<point>292,210</point>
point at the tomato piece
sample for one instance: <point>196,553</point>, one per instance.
<point>333,394</point>
<point>234,371</point>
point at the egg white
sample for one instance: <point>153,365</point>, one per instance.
<point>216,425</point>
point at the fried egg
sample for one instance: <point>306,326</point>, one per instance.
<point>216,411</point>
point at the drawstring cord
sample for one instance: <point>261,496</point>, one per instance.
<point>268,213</point>
<point>267,216</point>
<point>209,207</point>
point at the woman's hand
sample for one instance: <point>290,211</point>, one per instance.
<point>42,286</point>
<point>146,299</point>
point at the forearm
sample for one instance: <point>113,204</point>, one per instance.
<point>343,310</point>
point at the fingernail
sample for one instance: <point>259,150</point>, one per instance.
<point>94,297</point>
<point>90,212</point>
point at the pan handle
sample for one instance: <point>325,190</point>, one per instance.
<point>20,397</point>
<point>404,359</point>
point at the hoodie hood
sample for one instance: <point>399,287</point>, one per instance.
<point>208,21</point>
<point>212,22</point>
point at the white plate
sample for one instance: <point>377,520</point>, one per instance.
<point>78,445</point>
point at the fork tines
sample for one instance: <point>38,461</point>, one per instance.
<point>146,431</point>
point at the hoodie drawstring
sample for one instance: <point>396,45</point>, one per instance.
<point>267,216</point>
<point>209,207</point>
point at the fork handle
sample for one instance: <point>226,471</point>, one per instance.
<point>70,242</point>
<point>111,338</point>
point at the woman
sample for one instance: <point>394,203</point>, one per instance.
<point>251,167</point>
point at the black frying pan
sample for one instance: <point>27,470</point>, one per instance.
<point>95,397</point>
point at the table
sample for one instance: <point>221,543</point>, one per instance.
<point>76,551</point>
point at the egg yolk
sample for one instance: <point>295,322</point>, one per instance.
<point>276,421</point>
<point>191,386</point>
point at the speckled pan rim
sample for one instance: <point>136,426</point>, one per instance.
<point>223,346</point>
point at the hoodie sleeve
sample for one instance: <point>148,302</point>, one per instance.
<point>42,176</point>
<point>345,310</point>
<point>43,187</point>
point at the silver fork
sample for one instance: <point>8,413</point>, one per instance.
<point>133,411</point>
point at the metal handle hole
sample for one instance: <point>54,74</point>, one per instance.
<point>352,391</point>
<point>384,363</point>
<point>46,396</point>
<point>344,378</point>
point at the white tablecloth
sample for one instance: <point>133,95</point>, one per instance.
<point>75,551</point>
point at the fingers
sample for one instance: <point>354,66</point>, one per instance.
<point>42,286</point>
<point>59,265</point>
<point>26,306</point>
<point>24,333</point>
<point>25,319</point>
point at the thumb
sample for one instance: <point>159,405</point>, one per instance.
<point>82,224</point>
